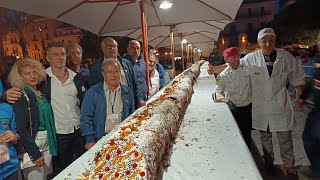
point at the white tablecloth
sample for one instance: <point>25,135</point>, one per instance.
<point>208,145</point>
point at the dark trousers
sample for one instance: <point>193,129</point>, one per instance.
<point>70,147</point>
<point>13,176</point>
<point>311,140</point>
<point>243,116</point>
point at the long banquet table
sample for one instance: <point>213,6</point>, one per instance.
<point>209,144</point>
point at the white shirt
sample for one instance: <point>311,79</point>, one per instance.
<point>271,103</point>
<point>114,106</point>
<point>65,103</point>
<point>235,85</point>
<point>155,83</point>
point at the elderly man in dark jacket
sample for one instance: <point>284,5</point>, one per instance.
<point>139,67</point>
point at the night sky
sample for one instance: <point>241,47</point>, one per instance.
<point>276,6</point>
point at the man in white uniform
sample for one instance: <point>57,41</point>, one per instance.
<point>272,112</point>
<point>235,88</point>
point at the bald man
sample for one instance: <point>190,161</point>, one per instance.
<point>139,68</point>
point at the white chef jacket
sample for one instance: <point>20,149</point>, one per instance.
<point>271,103</point>
<point>235,85</point>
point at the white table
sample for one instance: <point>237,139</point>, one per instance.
<point>208,145</point>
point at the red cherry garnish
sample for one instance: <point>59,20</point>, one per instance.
<point>100,176</point>
<point>107,169</point>
<point>108,157</point>
<point>136,154</point>
<point>134,165</point>
<point>111,142</point>
<point>96,160</point>
<point>117,174</point>
<point>142,173</point>
<point>118,151</point>
<point>127,172</point>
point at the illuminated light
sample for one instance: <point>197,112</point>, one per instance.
<point>184,41</point>
<point>17,57</point>
<point>166,53</point>
<point>243,39</point>
<point>170,52</point>
<point>189,44</point>
<point>165,5</point>
<point>222,41</point>
<point>157,54</point>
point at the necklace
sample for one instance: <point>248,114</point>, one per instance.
<point>38,94</point>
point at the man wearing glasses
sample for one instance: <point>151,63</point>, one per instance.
<point>127,77</point>
<point>106,104</point>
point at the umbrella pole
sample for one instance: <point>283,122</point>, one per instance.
<point>182,57</point>
<point>172,54</point>
<point>144,43</point>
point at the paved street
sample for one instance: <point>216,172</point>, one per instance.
<point>302,161</point>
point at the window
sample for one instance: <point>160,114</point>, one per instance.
<point>249,12</point>
<point>262,10</point>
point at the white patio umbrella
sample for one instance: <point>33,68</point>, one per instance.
<point>103,16</point>
<point>192,32</point>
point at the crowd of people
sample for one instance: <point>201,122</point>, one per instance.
<point>50,117</point>
<point>255,89</point>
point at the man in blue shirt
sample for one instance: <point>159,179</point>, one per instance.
<point>74,58</point>
<point>139,68</point>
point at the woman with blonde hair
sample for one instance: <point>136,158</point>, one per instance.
<point>34,119</point>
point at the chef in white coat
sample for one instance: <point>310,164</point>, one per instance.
<point>272,111</point>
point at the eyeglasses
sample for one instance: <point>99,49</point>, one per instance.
<point>108,46</point>
<point>112,72</point>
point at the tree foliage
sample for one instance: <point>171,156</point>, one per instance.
<point>298,23</point>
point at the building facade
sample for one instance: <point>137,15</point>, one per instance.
<point>252,16</point>
<point>38,35</point>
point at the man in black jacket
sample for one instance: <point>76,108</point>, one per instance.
<point>311,133</point>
